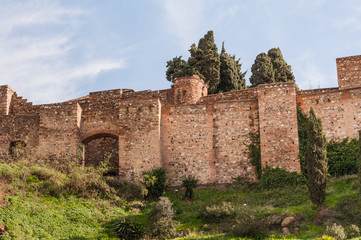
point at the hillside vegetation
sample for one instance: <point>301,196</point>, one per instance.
<point>39,201</point>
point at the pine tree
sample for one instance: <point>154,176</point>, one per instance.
<point>231,77</point>
<point>316,159</point>
<point>177,67</point>
<point>262,70</point>
<point>205,61</point>
<point>282,70</point>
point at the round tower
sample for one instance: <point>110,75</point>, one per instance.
<point>188,90</point>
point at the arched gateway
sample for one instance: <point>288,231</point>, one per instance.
<point>102,146</point>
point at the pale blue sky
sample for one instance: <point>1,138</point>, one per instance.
<point>54,50</point>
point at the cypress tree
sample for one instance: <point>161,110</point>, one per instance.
<point>176,67</point>
<point>316,159</point>
<point>262,70</point>
<point>221,72</point>
<point>205,61</point>
<point>230,73</point>
<point>282,70</point>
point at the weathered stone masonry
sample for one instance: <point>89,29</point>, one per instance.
<point>183,129</point>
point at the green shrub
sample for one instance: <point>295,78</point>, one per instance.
<point>88,183</point>
<point>336,231</point>
<point>254,153</point>
<point>32,179</point>
<point>343,157</point>
<point>7,173</point>
<point>216,213</point>
<point>154,183</point>
<point>163,226</point>
<point>43,173</point>
<point>277,178</point>
<point>163,208</point>
<point>352,231</point>
<point>124,190</point>
<point>250,227</point>
<point>136,204</point>
<point>189,183</point>
<point>128,228</point>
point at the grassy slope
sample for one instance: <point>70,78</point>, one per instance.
<point>43,203</point>
<point>279,202</point>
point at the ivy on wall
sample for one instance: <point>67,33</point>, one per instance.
<point>254,153</point>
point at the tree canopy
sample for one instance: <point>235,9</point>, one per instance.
<point>262,70</point>
<point>232,78</point>
<point>176,67</point>
<point>271,68</point>
<point>221,72</point>
<point>205,61</point>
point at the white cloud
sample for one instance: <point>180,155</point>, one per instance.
<point>37,48</point>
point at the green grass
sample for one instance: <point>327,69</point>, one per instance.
<point>285,201</point>
<point>45,203</point>
<point>37,217</point>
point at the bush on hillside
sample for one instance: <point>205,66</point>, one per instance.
<point>343,157</point>
<point>336,231</point>
<point>128,228</point>
<point>87,183</point>
<point>352,231</point>
<point>216,213</point>
<point>249,227</point>
<point>277,178</point>
<point>128,191</point>
<point>161,216</point>
<point>189,183</point>
<point>154,183</point>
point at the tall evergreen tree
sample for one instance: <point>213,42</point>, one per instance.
<point>230,73</point>
<point>177,67</point>
<point>205,61</point>
<point>262,70</point>
<point>282,70</point>
<point>316,159</point>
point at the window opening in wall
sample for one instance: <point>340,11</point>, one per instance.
<point>102,148</point>
<point>17,148</point>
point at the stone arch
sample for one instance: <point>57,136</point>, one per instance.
<point>99,146</point>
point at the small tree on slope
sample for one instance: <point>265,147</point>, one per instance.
<point>316,159</point>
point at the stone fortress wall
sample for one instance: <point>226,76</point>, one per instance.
<point>182,129</point>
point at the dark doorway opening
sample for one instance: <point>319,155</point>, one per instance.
<point>102,148</point>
